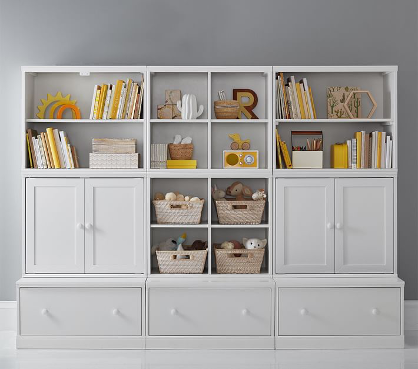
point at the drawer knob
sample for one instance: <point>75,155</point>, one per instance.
<point>79,226</point>
<point>89,226</point>
<point>330,225</point>
<point>115,312</point>
<point>245,312</point>
<point>173,312</point>
<point>339,225</point>
<point>303,311</point>
<point>44,311</point>
<point>375,311</point>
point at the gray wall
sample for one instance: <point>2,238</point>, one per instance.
<point>206,32</point>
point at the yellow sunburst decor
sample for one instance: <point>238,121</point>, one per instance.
<point>57,101</point>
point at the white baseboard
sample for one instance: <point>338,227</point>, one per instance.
<point>8,317</point>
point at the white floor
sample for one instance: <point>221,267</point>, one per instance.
<point>10,358</point>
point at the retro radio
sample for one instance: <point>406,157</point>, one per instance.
<point>240,159</point>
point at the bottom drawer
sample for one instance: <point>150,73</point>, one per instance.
<point>209,312</point>
<point>339,311</point>
<point>80,311</point>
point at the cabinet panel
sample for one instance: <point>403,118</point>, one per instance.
<point>54,225</point>
<point>304,225</point>
<point>209,312</point>
<point>114,225</point>
<point>364,225</point>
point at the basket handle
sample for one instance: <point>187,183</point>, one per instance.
<point>186,257</point>
<point>179,207</point>
<point>239,207</point>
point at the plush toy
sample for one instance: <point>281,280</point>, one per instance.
<point>198,245</point>
<point>186,140</point>
<point>177,139</point>
<point>254,243</point>
<point>159,196</point>
<point>180,197</point>
<point>237,246</point>
<point>180,241</point>
<point>170,196</point>
<point>259,195</point>
<point>218,194</point>
<point>169,244</point>
<point>226,245</point>
<point>186,198</point>
<point>194,199</point>
<point>239,191</point>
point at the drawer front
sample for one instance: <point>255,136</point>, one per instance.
<point>209,312</point>
<point>80,311</point>
<point>339,311</point>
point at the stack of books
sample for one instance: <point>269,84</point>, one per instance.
<point>294,100</point>
<point>122,100</point>
<point>110,153</point>
<point>283,158</point>
<point>50,150</point>
<point>365,151</point>
<point>181,164</point>
<point>159,156</point>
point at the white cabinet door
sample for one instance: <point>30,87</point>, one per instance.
<point>54,225</point>
<point>364,225</point>
<point>304,225</point>
<point>114,225</point>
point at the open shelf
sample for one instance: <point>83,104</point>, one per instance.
<point>174,121</point>
<point>58,121</point>
<point>239,120</point>
<point>201,225</point>
<point>216,224</point>
<point>365,120</point>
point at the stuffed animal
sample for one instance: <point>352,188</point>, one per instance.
<point>180,241</point>
<point>194,199</point>
<point>218,194</point>
<point>159,196</point>
<point>259,195</point>
<point>226,245</point>
<point>239,191</point>
<point>180,197</point>
<point>198,245</point>
<point>237,246</point>
<point>169,244</point>
<point>254,243</point>
<point>170,196</point>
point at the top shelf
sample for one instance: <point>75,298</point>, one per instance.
<point>84,120</point>
<point>365,120</point>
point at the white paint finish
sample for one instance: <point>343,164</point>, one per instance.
<point>115,210</point>
<point>364,211</point>
<point>8,316</point>
<point>80,311</point>
<point>209,312</point>
<point>305,225</point>
<point>339,311</point>
<point>411,315</point>
<point>54,207</point>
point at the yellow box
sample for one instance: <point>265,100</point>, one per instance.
<point>240,159</point>
<point>339,156</point>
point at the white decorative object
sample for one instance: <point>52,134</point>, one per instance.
<point>187,140</point>
<point>114,161</point>
<point>188,107</point>
<point>254,243</point>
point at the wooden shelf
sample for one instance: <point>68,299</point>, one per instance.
<point>365,120</point>
<point>84,121</point>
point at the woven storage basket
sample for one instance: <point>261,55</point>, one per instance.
<point>229,214</point>
<point>178,212</point>
<point>168,263</point>
<point>226,109</point>
<point>180,151</point>
<point>248,263</point>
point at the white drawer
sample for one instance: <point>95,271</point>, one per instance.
<point>339,311</point>
<point>209,312</point>
<point>80,311</point>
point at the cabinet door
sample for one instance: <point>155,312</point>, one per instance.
<point>304,225</point>
<point>54,225</point>
<point>364,225</point>
<point>114,225</point>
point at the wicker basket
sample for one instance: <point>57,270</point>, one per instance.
<point>240,212</point>
<point>248,263</point>
<point>180,151</point>
<point>226,109</point>
<point>178,212</point>
<point>193,263</point>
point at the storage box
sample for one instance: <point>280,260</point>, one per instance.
<point>181,262</point>
<point>238,261</point>
<point>240,212</point>
<point>307,159</point>
<point>114,161</point>
<point>178,212</point>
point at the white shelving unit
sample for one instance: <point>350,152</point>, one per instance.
<point>87,233</point>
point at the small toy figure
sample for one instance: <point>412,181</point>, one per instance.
<point>237,143</point>
<point>218,194</point>
<point>259,195</point>
<point>254,243</point>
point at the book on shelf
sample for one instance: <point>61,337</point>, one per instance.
<point>50,150</point>
<point>282,153</point>
<point>181,164</point>
<point>159,154</point>
<point>122,100</point>
<point>294,99</point>
<point>365,151</point>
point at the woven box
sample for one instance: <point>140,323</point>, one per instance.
<point>114,161</point>
<point>248,263</point>
<point>193,263</point>
<point>226,109</point>
<point>180,151</point>
<point>240,212</point>
<point>178,212</point>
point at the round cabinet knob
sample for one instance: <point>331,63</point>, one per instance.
<point>303,311</point>
<point>245,312</point>
<point>115,312</point>
<point>173,312</point>
<point>338,225</point>
<point>330,225</point>
<point>79,226</point>
<point>375,311</point>
<point>44,311</point>
<point>89,226</point>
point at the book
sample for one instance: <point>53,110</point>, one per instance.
<point>116,98</point>
<point>121,102</point>
<point>383,153</point>
<point>42,153</point>
<point>96,102</point>
<point>64,150</point>
<point>358,138</point>
<point>292,85</point>
<point>132,100</point>
<point>29,151</point>
<point>339,155</point>
<point>107,102</point>
<point>349,158</point>
<point>308,97</point>
<point>93,101</point>
<point>305,106</point>
<point>379,150</point>
<point>363,149</point>
<point>75,157</point>
<point>45,149</point>
<point>126,97</point>
<point>181,164</point>
<point>141,96</point>
<point>102,100</point>
<point>38,153</point>
<point>286,156</point>
<point>56,150</point>
<point>31,134</point>
<point>48,147</point>
<point>279,158</point>
<point>300,102</point>
<point>353,153</point>
<point>286,106</point>
<point>312,102</point>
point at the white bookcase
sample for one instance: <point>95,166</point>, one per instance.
<point>329,275</point>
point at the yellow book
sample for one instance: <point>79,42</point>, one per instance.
<point>181,164</point>
<point>115,105</point>
<point>313,105</point>
<point>102,100</point>
<point>357,136</point>
<point>379,149</point>
<point>96,103</point>
<point>279,158</point>
<point>54,151</point>
<point>299,93</point>
<point>307,104</point>
<point>286,156</point>
<point>339,156</point>
<point>128,92</point>
<point>29,152</point>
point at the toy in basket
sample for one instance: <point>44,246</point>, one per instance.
<point>243,206</point>
<point>232,257</point>
<point>175,258</point>
<point>175,208</point>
